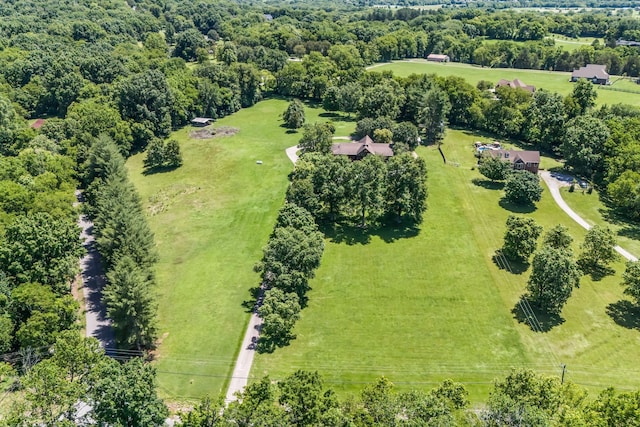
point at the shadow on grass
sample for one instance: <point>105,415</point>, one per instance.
<point>629,228</point>
<point>337,117</point>
<point>161,169</point>
<point>537,319</point>
<point>512,207</point>
<point>513,267</point>
<point>488,184</point>
<point>251,304</point>
<point>358,235</point>
<point>625,313</point>
<point>597,272</point>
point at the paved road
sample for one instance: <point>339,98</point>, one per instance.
<point>93,280</point>
<point>554,182</point>
<point>241,371</point>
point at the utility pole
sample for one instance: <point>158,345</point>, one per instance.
<point>564,368</point>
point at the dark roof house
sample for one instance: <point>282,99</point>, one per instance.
<point>594,72</point>
<point>359,149</point>
<point>516,84</point>
<point>520,160</point>
<point>434,57</point>
<point>202,121</point>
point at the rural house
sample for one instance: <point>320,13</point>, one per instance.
<point>434,57</point>
<point>520,160</point>
<point>516,84</point>
<point>594,72</point>
<point>359,149</point>
<point>202,121</point>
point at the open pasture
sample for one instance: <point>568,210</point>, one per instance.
<point>211,218</point>
<point>621,91</point>
<point>419,306</point>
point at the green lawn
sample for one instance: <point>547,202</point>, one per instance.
<point>571,44</point>
<point>589,207</point>
<point>555,81</point>
<point>415,306</point>
<point>211,218</point>
<point>421,307</point>
<point>566,43</point>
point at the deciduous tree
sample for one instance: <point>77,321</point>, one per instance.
<point>494,168</point>
<point>520,238</point>
<point>279,311</point>
<point>522,188</point>
<point>126,394</point>
<point>553,277</point>
<point>294,115</point>
<point>367,186</point>
<point>631,280</point>
<point>558,238</point>
<point>316,137</point>
<point>598,248</point>
<point>406,190</point>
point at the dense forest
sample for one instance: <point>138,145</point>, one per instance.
<point>113,78</point>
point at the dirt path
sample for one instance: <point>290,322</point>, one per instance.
<point>554,182</point>
<point>97,324</point>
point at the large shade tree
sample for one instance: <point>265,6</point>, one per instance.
<point>520,238</point>
<point>553,277</point>
<point>522,188</point>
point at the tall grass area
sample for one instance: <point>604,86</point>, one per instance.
<point>554,81</point>
<point>421,306</point>
<point>211,218</point>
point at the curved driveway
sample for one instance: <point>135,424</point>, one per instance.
<point>554,182</point>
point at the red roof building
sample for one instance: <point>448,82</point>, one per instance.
<point>38,123</point>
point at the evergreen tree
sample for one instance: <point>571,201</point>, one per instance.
<point>131,305</point>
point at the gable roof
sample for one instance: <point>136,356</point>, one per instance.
<point>203,120</point>
<point>358,148</point>
<point>515,156</point>
<point>516,84</point>
<point>37,124</point>
<point>591,71</point>
<point>437,56</point>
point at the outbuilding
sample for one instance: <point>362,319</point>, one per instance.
<point>202,121</point>
<point>434,57</point>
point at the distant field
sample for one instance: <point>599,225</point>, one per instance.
<point>419,307</point>
<point>572,44</point>
<point>566,43</point>
<point>211,218</point>
<point>554,81</point>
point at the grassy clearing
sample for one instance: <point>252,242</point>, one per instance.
<point>211,218</point>
<point>421,306</point>
<point>571,44</point>
<point>554,81</point>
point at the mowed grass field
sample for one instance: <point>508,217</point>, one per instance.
<point>621,91</point>
<point>419,307</point>
<point>592,210</point>
<point>211,218</point>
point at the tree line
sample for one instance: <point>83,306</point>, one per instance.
<point>126,245</point>
<point>336,189</point>
<point>521,398</point>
